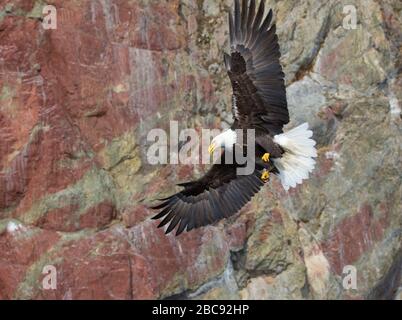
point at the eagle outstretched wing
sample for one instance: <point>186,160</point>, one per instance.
<point>219,194</point>
<point>259,93</point>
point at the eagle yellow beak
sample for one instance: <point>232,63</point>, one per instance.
<point>211,148</point>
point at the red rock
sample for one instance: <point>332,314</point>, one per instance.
<point>66,219</point>
<point>98,216</point>
<point>141,263</point>
<point>276,216</point>
<point>156,33</point>
<point>60,219</point>
<point>354,236</point>
<point>136,215</point>
<point>324,165</point>
<point>72,91</point>
<point>18,251</point>
<point>70,101</point>
<point>92,264</point>
<point>237,235</point>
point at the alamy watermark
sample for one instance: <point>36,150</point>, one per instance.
<point>49,281</point>
<point>49,17</point>
<point>350,19</point>
<point>187,147</point>
<point>350,277</point>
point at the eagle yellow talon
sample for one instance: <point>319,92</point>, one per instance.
<point>212,148</point>
<point>265,176</point>
<point>266,157</point>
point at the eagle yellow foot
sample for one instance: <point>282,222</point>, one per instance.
<point>265,176</point>
<point>266,157</point>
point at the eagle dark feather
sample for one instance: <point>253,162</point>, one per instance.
<point>219,194</point>
<point>255,71</point>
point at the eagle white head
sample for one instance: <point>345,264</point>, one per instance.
<point>224,140</point>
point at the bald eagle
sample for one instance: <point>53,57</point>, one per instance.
<point>259,103</point>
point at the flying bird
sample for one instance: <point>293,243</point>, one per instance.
<point>258,103</point>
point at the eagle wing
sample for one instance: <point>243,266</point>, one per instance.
<point>259,93</point>
<point>220,194</point>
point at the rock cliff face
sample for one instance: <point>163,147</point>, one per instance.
<point>77,103</point>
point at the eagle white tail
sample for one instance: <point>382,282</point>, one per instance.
<point>297,161</point>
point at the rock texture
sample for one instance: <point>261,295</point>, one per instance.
<point>77,103</point>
